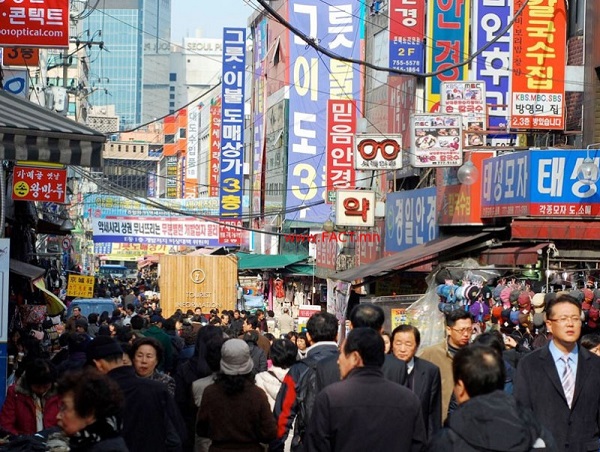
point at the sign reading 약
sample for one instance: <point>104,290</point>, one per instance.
<point>355,208</point>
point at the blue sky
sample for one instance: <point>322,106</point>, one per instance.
<point>209,16</point>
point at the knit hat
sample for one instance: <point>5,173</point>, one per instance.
<point>102,347</point>
<point>235,358</point>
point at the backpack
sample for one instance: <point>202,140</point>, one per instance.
<point>306,393</point>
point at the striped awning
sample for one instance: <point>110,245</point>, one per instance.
<point>31,132</point>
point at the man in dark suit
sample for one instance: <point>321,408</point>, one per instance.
<point>365,411</point>
<point>423,377</point>
<point>560,382</point>
<point>364,315</point>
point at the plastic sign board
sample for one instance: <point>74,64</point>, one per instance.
<point>20,56</point>
<point>341,126</point>
<point>355,208</point>
<point>80,286</point>
<point>539,183</point>
<point>407,32</point>
<point>377,152</point>
<point>436,140</point>
<point>468,100</point>
<point>39,184</point>
<point>34,23</point>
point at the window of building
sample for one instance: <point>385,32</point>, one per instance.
<point>172,77</point>
<point>169,139</point>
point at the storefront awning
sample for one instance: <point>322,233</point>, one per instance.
<point>556,229</point>
<point>300,270</point>
<point>28,271</point>
<point>31,132</point>
<point>512,255</point>
<point>267,261</point>
<point>405,259</point>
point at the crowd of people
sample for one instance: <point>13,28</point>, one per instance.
<point>133,380</point>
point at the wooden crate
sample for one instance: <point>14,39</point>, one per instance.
<point>188,282</point>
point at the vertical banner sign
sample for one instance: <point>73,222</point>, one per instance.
<point>314,79</point>
<point>407,32</point>
<point>448,29</point>
<point>410,219</point>
<point>4,293</point>
<point>152,185</point>
<point>259,121</point>
<point>34,23</point>
<point>231,179</point>
<point>341,125</point>
<point>492,67</point>
<point>436,140</point>
<point>538,65</point>
<point>172,176</point>
<point>468,100</point>
<point>215,149</point>
<point>193,139</point>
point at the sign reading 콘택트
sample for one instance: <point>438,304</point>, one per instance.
<point>39,184</point>
<point>34,23</point>
<point>538,183</point>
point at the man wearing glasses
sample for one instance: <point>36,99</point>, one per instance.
<point>459,328</point>
<point>560,382</point>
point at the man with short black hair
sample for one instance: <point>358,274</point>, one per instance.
<point>365,411</point>
<point>560,382</point>
<point>364,315</point>
<point>252,324</point>
<point>459,328</point>
<point>478,373</point>
<point>151,420</point>
<point>322,331</point>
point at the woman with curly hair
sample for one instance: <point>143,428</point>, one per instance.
<point>234,412</point>
<point>90,412</point>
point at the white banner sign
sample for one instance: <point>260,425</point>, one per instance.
<point>377,152</point>
<point>436,140</point>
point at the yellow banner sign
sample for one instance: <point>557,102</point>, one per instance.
<point>80,286</point>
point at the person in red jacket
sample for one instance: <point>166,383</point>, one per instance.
<point>32,403</point>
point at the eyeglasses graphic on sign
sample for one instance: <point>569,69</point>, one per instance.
<point>369,149</point>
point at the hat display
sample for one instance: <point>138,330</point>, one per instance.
<point>235,358</point>
<point>102,347</point>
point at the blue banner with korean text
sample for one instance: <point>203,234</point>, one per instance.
<point>231,179</point>
<point>314,79</point>
<point>410,219</point>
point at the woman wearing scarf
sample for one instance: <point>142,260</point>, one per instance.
<point>90,412</point>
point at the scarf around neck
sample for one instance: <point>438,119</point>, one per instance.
<point>100,430</point>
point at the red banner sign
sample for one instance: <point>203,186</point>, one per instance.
<point>34,23</point>
<point>341,125</point>
<point>538,65</point>
<point>231,235</point>
<point>39,184</point>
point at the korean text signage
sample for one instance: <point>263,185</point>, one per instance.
<point>156,231</point>
<point>355,208</point>
<point>314,79</point>
<point>493,66</point>
<point>191,176</point>
<point>468,100</point>
<point>407,30</point>
<point>80,286</point>
<point>34,23</point>
<point>378,152</point>
<point>341,125</point>
<point>410,219</point>
<point>448,30</point>
<point>101,206</point>
<point>171,182</point>
<point>538,65</point>
<point>20,56</point>
<point>39,184</point>
<point>459,204</point>
<point>538,183</point>
<point>436,140</point>
<point>232,122</point>
<point>215,149</point>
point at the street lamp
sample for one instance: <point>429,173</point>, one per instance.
<point>468,173</point>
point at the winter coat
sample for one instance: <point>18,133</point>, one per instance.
<point>270,381</point>
<point>18,412</point>
<point>240,422</point>
<point>492,422</point>
<point>258,358</point>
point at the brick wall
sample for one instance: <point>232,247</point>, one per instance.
<point>574,101</point>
